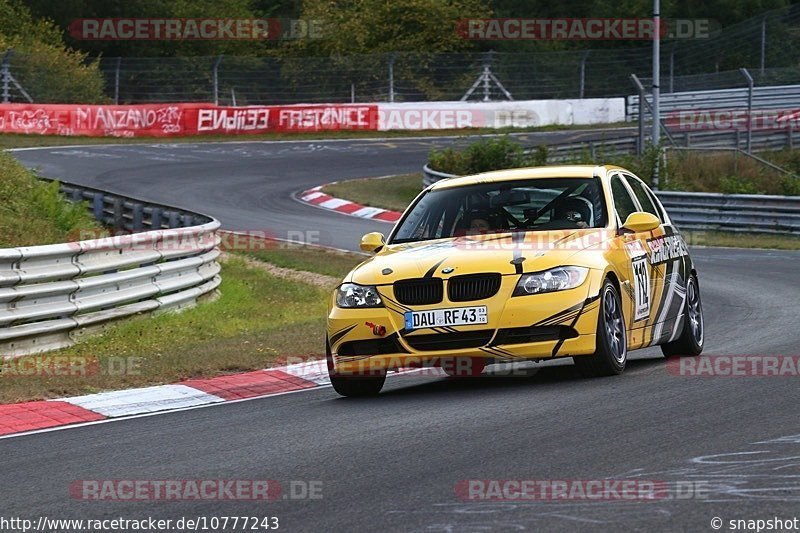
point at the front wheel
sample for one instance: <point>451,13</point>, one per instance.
<point>353,385</point>
<point>690,341</point>
<point>611,351</point>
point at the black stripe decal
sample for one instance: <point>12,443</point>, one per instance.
<point>560,315</point>
<point>560,342</point>
<point>337,336</point>
<point>431,271</point>
<point>517,238</point>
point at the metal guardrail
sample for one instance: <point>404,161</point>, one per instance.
<point>52,294</point>
<point>774,97</point>
<point>710,139</point>
<point>751,213</point>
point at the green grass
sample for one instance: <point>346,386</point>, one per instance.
<point>34,212</point>
<point>307,258</point>
<point>258,319</point>
<point>261,316</point>
<point>8,140</point>
<point>742,240</point>
<point>393,193</point>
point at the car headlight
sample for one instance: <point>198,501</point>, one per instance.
<point>555,279</point>
<point>353,295</point>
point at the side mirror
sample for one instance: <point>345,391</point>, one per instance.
<point>372,242</point>
<point>640,221</point>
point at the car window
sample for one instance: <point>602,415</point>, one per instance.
<point>641,194</point>
<point>623,202</point>
<point>520,205</point>
<point>661,214</point>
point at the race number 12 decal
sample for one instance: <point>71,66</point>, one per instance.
<point>641,288</point>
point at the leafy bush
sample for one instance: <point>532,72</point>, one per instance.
<point>685,171</point>
<point>46,69</point>
<point>482,156</point>
<point>34,212</point>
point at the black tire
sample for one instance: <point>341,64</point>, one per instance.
<point>352,385</point>
<point>690,341</point>
<point>611,352</point>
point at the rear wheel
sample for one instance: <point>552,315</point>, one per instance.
<point>611,352</point>
<point>690,341</point>
<point>353,385</point>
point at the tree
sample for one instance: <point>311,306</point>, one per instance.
<point>47,69</point>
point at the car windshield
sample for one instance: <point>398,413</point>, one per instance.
<point>524,205</point>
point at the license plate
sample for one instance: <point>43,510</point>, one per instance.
<point>456,316</point>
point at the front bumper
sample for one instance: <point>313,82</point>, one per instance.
<point>557,324</point>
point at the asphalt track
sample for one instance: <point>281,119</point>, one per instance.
<point>393,462</point>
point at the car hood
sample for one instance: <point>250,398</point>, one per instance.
<point>534,251</point>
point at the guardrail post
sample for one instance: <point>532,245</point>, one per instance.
<point>77,195</point>
<point>138,216</point>
<point>749,79</point>
<point>790,135</point>
<point>118,220</point>
<point>173,219</point>
<point>97,206</point>
<point>188,221</point>
<point>155,218</point>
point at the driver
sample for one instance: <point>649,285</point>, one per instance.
<point>478,223</point>
<point>573,210</point>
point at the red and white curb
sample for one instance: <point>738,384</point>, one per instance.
<point>318,198</point>
<point>39,415</point>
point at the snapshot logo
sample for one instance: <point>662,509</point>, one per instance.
<point>140,490</point>
<point>733,119</point>
<point>70,366</point>
<point>193,29</point>
<point>554,490</point>
<point>583,29</point>
<point>735,366</point>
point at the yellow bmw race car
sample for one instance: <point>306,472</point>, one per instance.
<point>513,265</point>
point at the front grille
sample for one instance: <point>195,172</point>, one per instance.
<point>528,334</point>
<point>421,291</point>
<point>473,287</point>
<point>449,341</point>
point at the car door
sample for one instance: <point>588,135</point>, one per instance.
<point>642,283</point>
<point>667,256</point>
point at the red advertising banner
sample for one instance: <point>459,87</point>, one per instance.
<point>164,120</point>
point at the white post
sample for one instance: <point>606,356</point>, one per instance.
<point>656,82</point>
